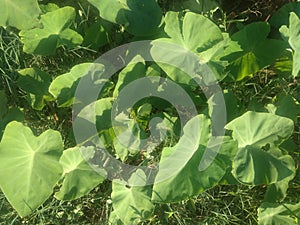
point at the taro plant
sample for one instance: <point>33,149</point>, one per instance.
<point>251,149</point>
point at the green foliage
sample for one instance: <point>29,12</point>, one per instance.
<point>29,163</point>
<point>258,148</point>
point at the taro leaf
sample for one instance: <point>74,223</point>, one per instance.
<point>132,204</point>
<point>36,83</point>
<point>114,219</point>
<point>179,177</point>
<point>250,50</point>
<point>284,65</point>
<point>285,105</point>
<point>259,129</point>
<point>197,6</point>
<point>95,36</point>
<point>254,166</point>
<point>54,33</point>
<point>19,13</point>
<point>130,73</point>
<point>133,14</point>
<point>293,34</point>
<point>79,177</point>
<point>278,214</point>
<point>63,88</point>
<point>194,33</point>
<point>281,16</point>
<point>29,166</point>
<point>278,191</point>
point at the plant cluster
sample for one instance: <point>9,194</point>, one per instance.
<point>40,159</point>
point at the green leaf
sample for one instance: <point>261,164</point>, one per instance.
<point>55,32</point>
<point>95,36</point>
<point>19,13</point>
<point>133,14</point>
<point>281,16</point>
<point>278,214</point>
<point>79,177</point>
<point>285,105</point>
<point>250,50</point>
<point>29,166</point>
<point>259,129</point>
<point>183,160</point>
<point>130,73</point>
<point>254,166</point>
<point>293,33</point>
<point>36,83</point>
<point>132,204</point>
<point>64,86</point>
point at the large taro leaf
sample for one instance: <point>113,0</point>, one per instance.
<point>194,33</point>
<point>278,214</point>
<point>36,83</point>
<point>132,204</point>
<point>254,166</point>
<point>63,87</point>
<point>19,13</point>
<point>250,50</point>
<point>179,176</point>
<point>133,14</point>
<point>29,166</point>
<point>259,129</point>
<point>55,32</point>
<point>293,34</point>
<point>79,177</point>
<point>281,16</point>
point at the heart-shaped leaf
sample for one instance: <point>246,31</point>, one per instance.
<point>254,166</point>
<point>29,166</point>
<point>250,50</point>
<point>259,129</point>
<point>179,176</point>
<point>55,32</point>
<point>19,13</point>
<point>79,177</point>
<point>36,83</point>
<point>132,204</point>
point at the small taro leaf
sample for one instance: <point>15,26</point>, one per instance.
<point>12,114</point>
<point>64,86</point>
<point>29,166</point>
<point>54,33</point>
<point>133,14</point>
<point>95,36</point>
<point>278,214</point>
<point>132,204</point>
<point>36,83</point>
<point>19,13</point>
<point>197,6</point>
<point>259,129</point>
<point>49,7</point>
<point>287,106</point>
<point>284,65</point>
<point>95,114</point>
<point>129,74</point>
<point>250,50</point>
<point>3,104</point>
<point>186,180</point>
<point>281,16</point>
<point>79,177</point>
<point>294,41</point>
<point>278,191</point>
<point>254,166</point>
